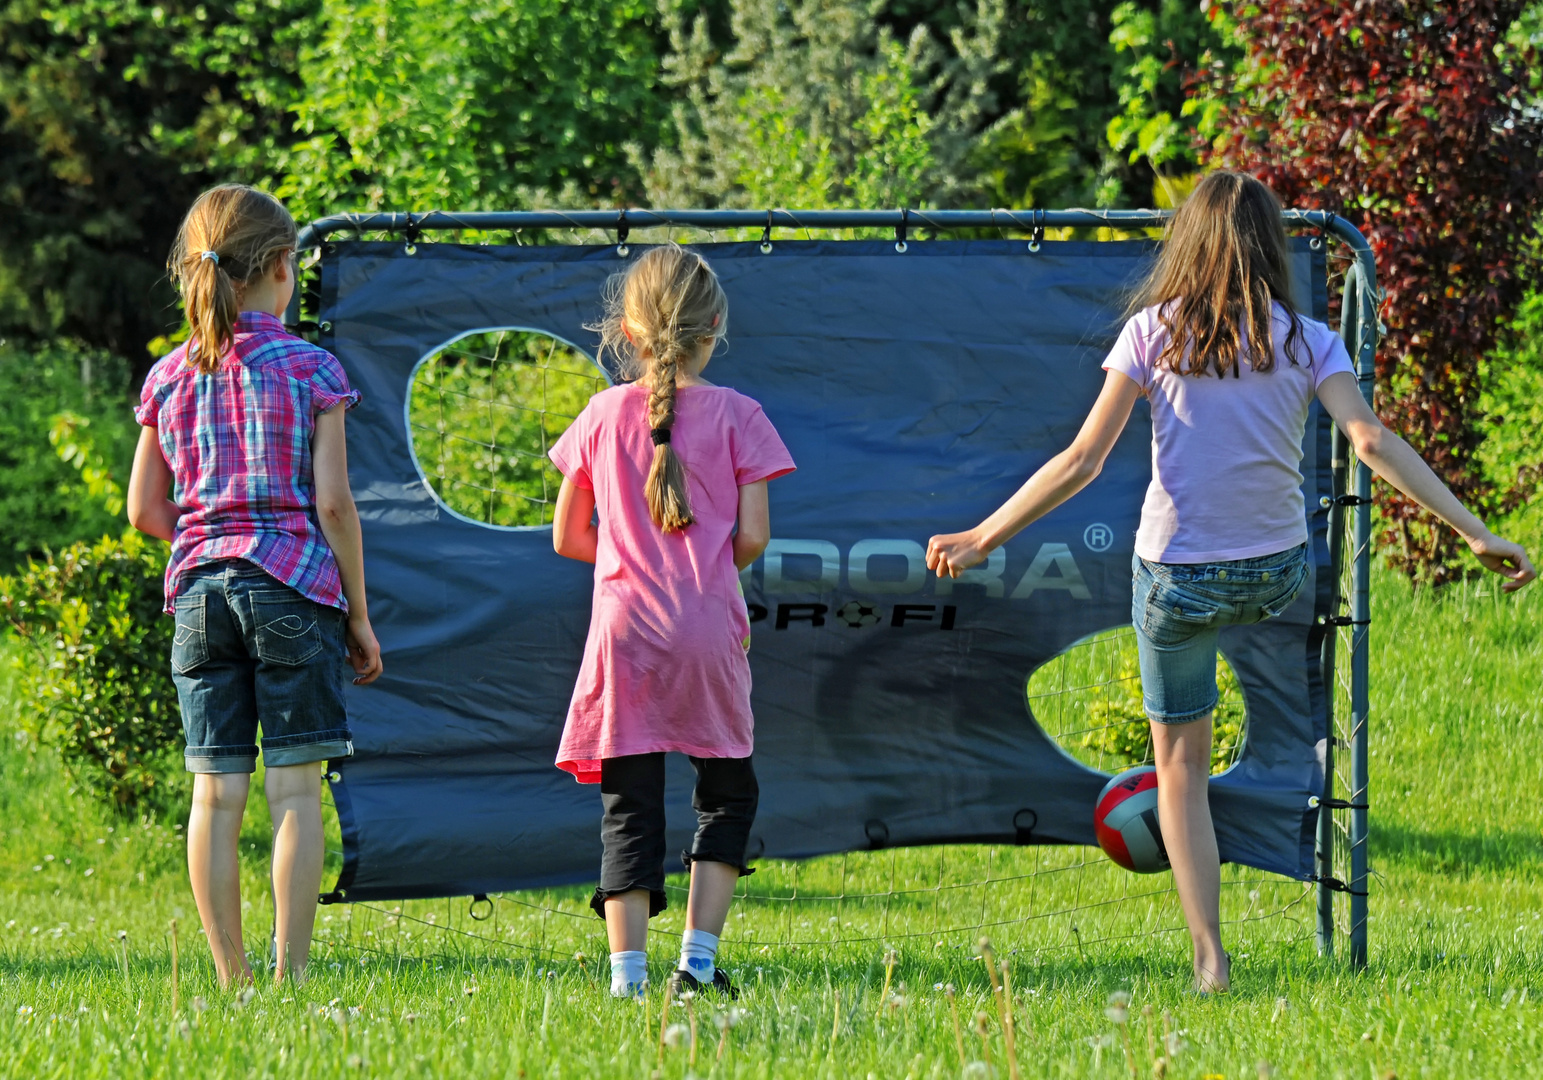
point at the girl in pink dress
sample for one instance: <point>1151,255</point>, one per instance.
<point>677,469</point>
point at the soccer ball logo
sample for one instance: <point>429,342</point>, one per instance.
<point>859,613</point>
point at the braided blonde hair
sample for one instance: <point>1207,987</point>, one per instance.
<point>232,235</point>
<point>658,312</point>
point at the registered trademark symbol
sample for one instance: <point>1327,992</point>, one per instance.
<point>1098,537</point>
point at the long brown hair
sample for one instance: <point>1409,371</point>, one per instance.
<point>232,235</point>
<point>1224,260</point>
<point>658,312</point>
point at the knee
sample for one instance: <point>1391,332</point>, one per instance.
<point>221,792</point>
<point>293,785</point>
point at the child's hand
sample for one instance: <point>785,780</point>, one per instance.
<point>1505,558</point>
<point>951,554</point>
<point>363,650</point>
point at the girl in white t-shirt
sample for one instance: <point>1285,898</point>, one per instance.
<point>1229,368</point>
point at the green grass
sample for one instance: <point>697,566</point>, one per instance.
<point>1451,991</point>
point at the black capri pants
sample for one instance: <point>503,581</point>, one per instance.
<point>632,830</point>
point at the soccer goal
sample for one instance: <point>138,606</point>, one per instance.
<point>929,751</point>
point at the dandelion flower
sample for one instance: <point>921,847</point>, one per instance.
<point>677,1034</point>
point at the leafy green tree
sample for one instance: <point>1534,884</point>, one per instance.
<point>815,104</point>
<point>478,104</point>
<point>116,113</point>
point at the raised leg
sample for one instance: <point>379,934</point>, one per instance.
<point>214,834</point>
<point>294,803</point>
<point>1182,754</point>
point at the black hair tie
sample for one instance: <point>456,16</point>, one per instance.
<point>660,435</point>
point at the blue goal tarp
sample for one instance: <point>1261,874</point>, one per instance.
<point>916,391</point>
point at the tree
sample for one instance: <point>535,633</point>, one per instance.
<point>116,113</point>
<point>478,104</point>
<point>814,104</point>
<point>1411,118</point>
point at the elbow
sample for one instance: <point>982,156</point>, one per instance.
<point>334,511</point>
<point>751,545</point>
<point>1370,441</point>
<point>1083,468</point>
<point>136,517</point>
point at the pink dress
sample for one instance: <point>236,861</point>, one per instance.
<point>664,668</point>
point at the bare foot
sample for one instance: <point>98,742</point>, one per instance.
<point>1213,977</point>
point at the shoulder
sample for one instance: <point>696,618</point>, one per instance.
<point>168,369</point>
<point>1145,326</point>
<point>739,406</point>
<point>1319,337</point>
<point>283,351</point>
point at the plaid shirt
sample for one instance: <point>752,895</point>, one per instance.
<point>239,446</point>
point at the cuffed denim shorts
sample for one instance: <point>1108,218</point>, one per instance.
<point>249,653</point>
<point>1177,610</point>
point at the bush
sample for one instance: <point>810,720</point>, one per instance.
<point>93,664</point>
<point>46,503</point>
<point>1118,722</point>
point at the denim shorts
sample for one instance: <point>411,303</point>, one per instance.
<point>1177,610</point>
<point>251,652</point>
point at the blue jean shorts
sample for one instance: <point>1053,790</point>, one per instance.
<point>1178,609</point>
<point>251,652</point>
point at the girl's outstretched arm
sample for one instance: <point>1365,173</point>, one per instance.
<point>150,511</point>
<point>1391,458</point>
<point>574,534</point>
<point>1056,481</point>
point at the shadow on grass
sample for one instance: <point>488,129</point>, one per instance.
<point>1455,853</point>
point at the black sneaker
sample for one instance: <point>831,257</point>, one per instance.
<point>684,980</point>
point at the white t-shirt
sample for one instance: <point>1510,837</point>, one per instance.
<point>1226,453</point>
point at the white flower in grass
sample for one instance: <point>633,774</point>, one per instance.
<point>24,1010</point>
<point>676,1036</point>
<point>979,1070</point>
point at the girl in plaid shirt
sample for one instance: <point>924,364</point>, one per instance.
<point>243,427</point>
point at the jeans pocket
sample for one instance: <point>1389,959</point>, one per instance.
<point>190,641</point>
<point>1174,614</point>
<point>1277,604</point>
<point>288,628</point>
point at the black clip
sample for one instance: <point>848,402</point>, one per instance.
<point>900,230</point>
<point>1023,826</point>
<point>1037,230</point>
<point>1342,804</point>
<point>1342,620</point>
<point>480,898</point>
<point>766,244</point>
<point>333,897</point>
<point>622,229</point>
<point>1334,884</point>
<point>1351,500</point>
<point>410,235</point>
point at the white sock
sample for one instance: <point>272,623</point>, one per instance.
<point>629,974</point>
<point>698,954</point>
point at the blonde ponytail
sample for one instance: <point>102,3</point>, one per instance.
<point>232,235</point>
<point>658,313</point>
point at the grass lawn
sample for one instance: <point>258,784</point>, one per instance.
<point>422,989</point>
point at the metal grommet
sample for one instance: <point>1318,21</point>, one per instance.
<point>1313,802</point>
<point>766,247</point>
<point>900,246</point>
<point>623,250</point>
<point>1325,502</point>
<point>409,249</point>
<point>1033,247</point>
<point>326,327</point>
<point>334,777</point>
<point>1315,243</point>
